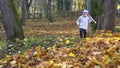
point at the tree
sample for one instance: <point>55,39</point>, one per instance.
<point>27,4</point>
<point>49,11</point>
<point>100,14</point>
<point>25,10</point>
<point>71,3</point>
<point>118,8</point>
<point>109,14</point>
<point>64,5</point>
<point>43,8</point>
<point>10,20</point>
<point>92,6</point>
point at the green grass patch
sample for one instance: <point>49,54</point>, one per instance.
<point>117,29</point>
<point>57,41</point>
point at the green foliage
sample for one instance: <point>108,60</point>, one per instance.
<point>2,49</point>
<point>20,46</point>
<point>19,12</point>
<point>117,29</point>
<point>58,41</point>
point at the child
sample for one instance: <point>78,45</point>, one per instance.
<point>83,22</point>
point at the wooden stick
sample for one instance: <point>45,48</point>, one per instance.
<point>92,19</point>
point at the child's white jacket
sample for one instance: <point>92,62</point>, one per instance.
<point>83,22</point>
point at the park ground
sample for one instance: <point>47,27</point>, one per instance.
<point>57,45</point>
<point>39,28</point>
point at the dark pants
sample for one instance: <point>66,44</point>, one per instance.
<point>83,33</point>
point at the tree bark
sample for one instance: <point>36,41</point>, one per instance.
<point>43,8</point>
<point>71,5</point>
<point>24,12</point>
<point>91,8</point>
<point>110,14</point>
<point>10,20</point>
<point>50,18</point>
<point>27,6</point>
<point>100,14</point>
<point>64,6</point>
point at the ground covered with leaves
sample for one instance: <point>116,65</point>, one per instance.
<point>62,48</point>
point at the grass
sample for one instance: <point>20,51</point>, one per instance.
<point>117,29</point>
<point>2,49</point>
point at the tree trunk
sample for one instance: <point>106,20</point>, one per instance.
<point>110,14</point>
<point>63,3</point>
<point>27,6</point>
<point>118,8</point>
<point>10,20</point>
<point>50,18</point>
<point>84,4</point>
<point>75,5</point>
<point>71,5</point>
<point>43,8</point>
<point>24,12</point>
<point>60,5</point>
<point>91,8</point>
<point>100,14</point>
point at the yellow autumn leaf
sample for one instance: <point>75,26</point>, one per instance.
<point>67,41</point>
<point>51,62</point>
<point>71,55</point>
<point>109,34</point>
<point>60,39</point>
<point>87,39</point>
<point>55,65</point>
<point>102,31</point>
<point>106,59</point>
<point>5,61</point>
<point>95,53</point>
<point>116,38</point>
<point>13,62</point>
<point>54,46</point>
<point>107,42</point>
<point>37,55</point>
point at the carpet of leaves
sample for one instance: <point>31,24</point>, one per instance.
<point>57,45</point>
<point>101,50</point>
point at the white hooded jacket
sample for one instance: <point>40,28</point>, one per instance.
<point>83,22</point>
